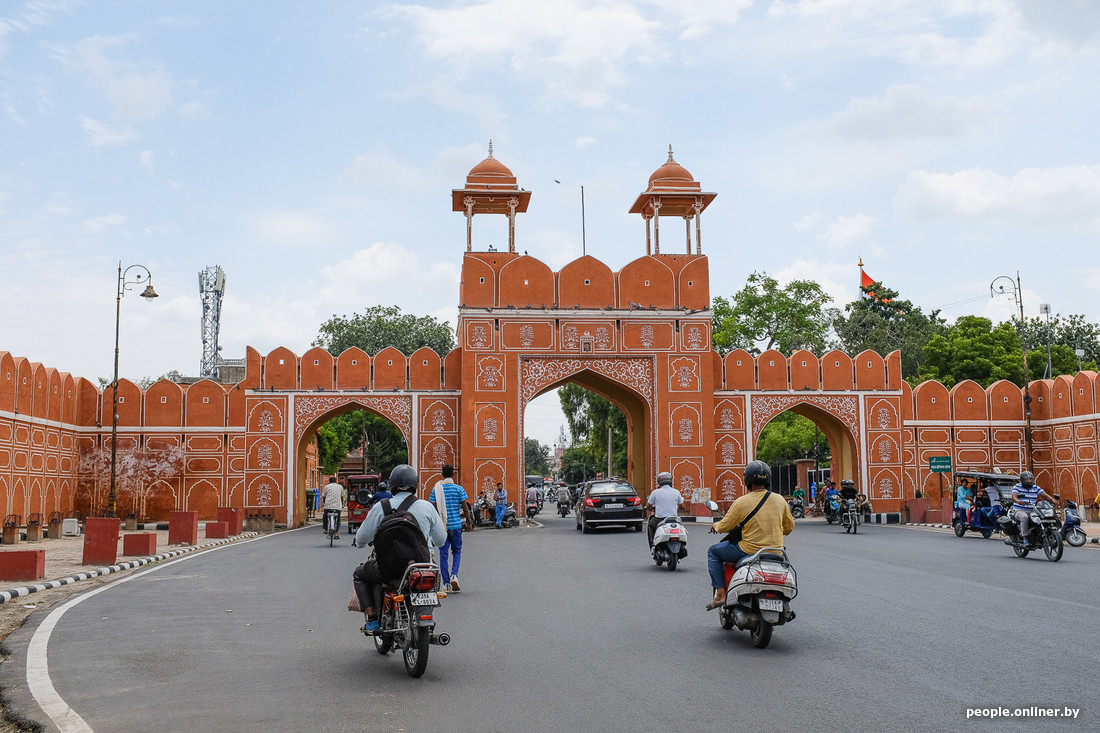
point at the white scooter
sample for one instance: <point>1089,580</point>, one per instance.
<point>759,591</point>
<point>669,542</point>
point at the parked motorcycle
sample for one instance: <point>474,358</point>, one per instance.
<point>407,618</point>
<point>849,516</point>
<point>1043,532</point>
<point>481,511</point>
<point>509,519</point>
<point>759,590</point>
<point>798,508</point>
<point>669,542</point>
<point>1071,528</point>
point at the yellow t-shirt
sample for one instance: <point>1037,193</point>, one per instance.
<point>766,528</point>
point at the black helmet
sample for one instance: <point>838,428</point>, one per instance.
<point>664,478</point>
<point>403,477</point>
<point>757,472</point>
<point>1027,478</point>
<point>847,483</point>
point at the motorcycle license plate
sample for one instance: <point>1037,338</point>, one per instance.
<point>424,599</point>
<point>770,604</point>
<point>613,506</point>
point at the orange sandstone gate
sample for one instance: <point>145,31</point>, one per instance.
<point>640,336</point>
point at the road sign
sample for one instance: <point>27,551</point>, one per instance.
<point>939,464</point>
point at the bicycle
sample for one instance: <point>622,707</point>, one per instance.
<point>332,525</point>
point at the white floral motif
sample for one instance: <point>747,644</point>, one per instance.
<point>263,456</point>
<point>843,407</point>
<point>695,338</point>
<point>263,495</point>
<point>571,339</point>
<point>439,454</point>
<point>885,453</point>
<point>725,418</point>
<point>885,419</point>
<point>687,430</point>
<point>636,373</point>
<point>439,420</point>
<point>685,376</point>
<point>396,409</point>
<point>729,490</point>
<point>647,337</point>
<point>526,335</point>
<point>480,337</point>
<point>602,338</point>
<point>489,429</point>
<point>729,453</point>
<point>267,421</point>
<point>487,484</point>
<point>886,488</point>
<point>491,376</point>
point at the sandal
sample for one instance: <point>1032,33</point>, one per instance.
<point>715,604</point>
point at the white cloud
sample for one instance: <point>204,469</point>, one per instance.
<point>1065,198</point>
<point>904,112</point>
<point>100,223</point>
<point>377,169</point>
<point>847,229</point>
<point>701,17</point>
<point>1070,21</point>
<point>137,92</point>
<point>809,221</point>
<point>830,276</point>
<point>102,136</point>
<point>146,160</point>
<point>291,228</point>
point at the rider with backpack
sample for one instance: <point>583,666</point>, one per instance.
<point>402,529</point>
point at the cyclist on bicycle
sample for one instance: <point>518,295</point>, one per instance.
<point>333,497</point>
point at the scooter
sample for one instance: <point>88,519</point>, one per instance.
<point>563,508</point>
<point>1071,528</point>
<point>407,621</point>
<point>832,509</point>
<point>508,520</point>
<point>1042,532</point>
<point>533,508</point>
<point>669,542</point>
<point>798,508</point>
<point>759,590</point>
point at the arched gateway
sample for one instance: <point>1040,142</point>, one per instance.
<point>640,337</point>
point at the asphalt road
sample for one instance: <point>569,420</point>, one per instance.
<point>897,629</point>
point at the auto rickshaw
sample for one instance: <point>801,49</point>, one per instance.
<point>981,515</point>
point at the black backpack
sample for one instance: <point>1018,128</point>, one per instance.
<point>399,539</point>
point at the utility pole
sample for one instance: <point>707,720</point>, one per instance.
<point>609,450</point>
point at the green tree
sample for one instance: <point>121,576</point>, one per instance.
<point>577,465</point>
<point>1065,335</point>
<point>791,436</point>
<point>588,416</point>
<point>381,441</point>
<point>380,326</point>
<point>884,323</point>
<point>763,313</point>
<point>536,458</point>
<point>974,349</point>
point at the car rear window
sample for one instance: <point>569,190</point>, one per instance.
<point>611,488</point>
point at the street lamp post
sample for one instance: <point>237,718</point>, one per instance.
<point>1017,294</point>
<point>148,294</point>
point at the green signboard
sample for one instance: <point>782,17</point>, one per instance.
<point>939,464</point>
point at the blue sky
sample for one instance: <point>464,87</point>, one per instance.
<point>310,149</point>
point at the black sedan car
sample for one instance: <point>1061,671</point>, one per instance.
<point>609,502</point>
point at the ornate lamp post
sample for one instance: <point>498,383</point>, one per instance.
<point>1017,294</point>
<point>148,294</point>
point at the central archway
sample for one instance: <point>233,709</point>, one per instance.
<point>842,441</point>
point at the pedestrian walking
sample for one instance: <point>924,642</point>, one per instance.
<point>450,499</point>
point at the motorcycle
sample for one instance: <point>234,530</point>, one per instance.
<point>798,508</point>
<point>759,590</point>
<point>832,509</point>
<point>406,621</point>
<point>533,508</point>
<point>849,518</point>
<point>1043,532</point>
<point>481,513</point>
<point>1071,528</point>
<point>669,542</point>
<point>563,508</point>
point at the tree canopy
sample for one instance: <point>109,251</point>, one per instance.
<point>768,315</point>
<point>536,458</point>
<point>380,326</point>
<point>973,348</point>
<point>381,441</point>
<point>791,436</point>
<point>588,416</point>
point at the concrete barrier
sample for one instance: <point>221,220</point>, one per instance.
<point>139,543</point>
<point>23,565</point>
<point>217,530</point>
<point>183,528</point>
<point>101,540</point>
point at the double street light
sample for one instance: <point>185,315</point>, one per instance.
<point>124,284</point>
<point>1017,294</point>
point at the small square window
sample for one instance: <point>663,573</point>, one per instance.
<point>933,400</point>
<point>803,363</point>
<point>738,362</point>
<point>836,363</point>
<point>587,282</point>
<point>281,362</point>
<point>771,363</point>
<point>163,399</point>
<point>647,283</point>
<point>390,362</point>
<point>316,362</point>
<point>1040,399</point>
<point>526,282</point>
<point>206,400</point>
<point>354,362</point>
<point>482,281</point>
<point>868,365</point>
<point>1006,399</point>
<point>969,399</point>
<point>121,399</point>
<point>425,362</point>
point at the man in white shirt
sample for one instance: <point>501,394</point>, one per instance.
<point>333,497</point>
<point>665,502</point>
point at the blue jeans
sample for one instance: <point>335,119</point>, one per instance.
<point>721,553</point>
<point>500,513</point>
<point>452,545</point>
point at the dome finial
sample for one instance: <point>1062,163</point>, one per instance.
<point>670,160</point>
<point>490,150</point>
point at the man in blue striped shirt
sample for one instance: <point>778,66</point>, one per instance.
<point>1024,496</point>
<point>451,500</point>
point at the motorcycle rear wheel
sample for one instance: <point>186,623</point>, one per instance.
<point>725,619</point>
<point>416,651</point>
<point>1076,537</point>
<point>383,644</point>
<point>855,525</point>
<point>1052,546</point>
<point>761,635</point>
<point>1020,551</point>
<point>672,559</point>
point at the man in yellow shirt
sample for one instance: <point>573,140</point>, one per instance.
<point>767,519</point>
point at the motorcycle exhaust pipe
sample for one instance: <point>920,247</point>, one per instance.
<point>743,621</point>
<point>440,639</point>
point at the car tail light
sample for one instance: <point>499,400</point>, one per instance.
<point>591,502</point>
<point>634,500</point>
<point>422,580</point>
